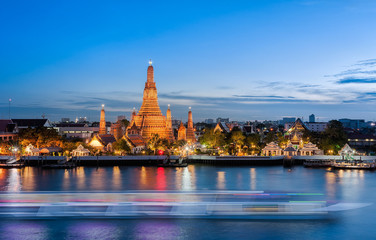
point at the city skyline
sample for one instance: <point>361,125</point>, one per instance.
<point>247,61</point>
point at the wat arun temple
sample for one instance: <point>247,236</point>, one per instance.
<point>144,125</point>
<point>149,120</point>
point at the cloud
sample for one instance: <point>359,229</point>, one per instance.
<point>368,62</point>
<point>271,97</point>
<point>362,72</point>
<point>356,80</point>
<point>224,87</point>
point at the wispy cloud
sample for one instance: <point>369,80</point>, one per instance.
<point>356,80</point>
<point>368,62</point>
<point>362,72</point>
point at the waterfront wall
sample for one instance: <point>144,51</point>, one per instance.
<point>331,157</point>
<point>236,160</point>
<point>142,160</point>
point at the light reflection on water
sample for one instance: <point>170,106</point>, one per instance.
<point>14,182</point>
<point>93,230</point>
<point>221,180</point>
<point>252,174</point>
<point>24,230</point>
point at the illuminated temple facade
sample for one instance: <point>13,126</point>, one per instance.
<point>149,119</point>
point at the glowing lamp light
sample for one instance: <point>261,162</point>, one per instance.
<point>160,152</point>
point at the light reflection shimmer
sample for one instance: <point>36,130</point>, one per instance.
<point>252,174</point>
<point>161,179</point>
<point>192,171</point>
<point>66,182</point>
<point>116,178</point>
<point>29,175</point>
<point>187,180</point>
<point>98,179</point>
<point>93,230</point>
<point>143,177</point>
<point>24,230</point>
<point>330,183</point>
<point>81,179</point>
<point>14,180</point>
<point>221,180</point>
<point>351,182</point>
<point>178,178</point>
<point>157,230</point>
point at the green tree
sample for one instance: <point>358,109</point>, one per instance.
<point>237,139</point>
<point>282,141</point>
<point>40,137</point>
<point>212,139</point>
<point>156,143</point>
<point>270,137</point>
<point>334,137</point>
<point>121,146</point>
<point>125,123</point>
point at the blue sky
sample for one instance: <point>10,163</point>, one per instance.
<point>247,60</point>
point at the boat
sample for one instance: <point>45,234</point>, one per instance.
<point>174,161</point>
<point>11,162</point>
<point>317,163</point>
<point>66,165</point>
<point>62,164</point>
<point>354,164</point>
<point>170,204</point>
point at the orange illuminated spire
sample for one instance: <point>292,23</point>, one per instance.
<point>149,118</point>
<point>102,123</point>
<point>170,133</point>
<point>191,138</point>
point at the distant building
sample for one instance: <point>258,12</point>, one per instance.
<point>182,132</point>
<point>248,129</point>
<point>76,130</point>
<point>116,130</point>
<point>313,127</point>
<point>103,142</point>
<point>29,123</point>
<point>209,121</point>
<point>8,130</point>
<point>226,120</point>
<point>287,120</point>
<point>312,118</point>
<point>82,119</point>
<point>353,123</point>
<point>316,126</point>
<point>361,141</point>
<point>121,117</point>
<point>65,120</point>
<point>272,149</point>
<point>222,127</point>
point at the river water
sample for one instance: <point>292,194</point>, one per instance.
<point>340,185</point>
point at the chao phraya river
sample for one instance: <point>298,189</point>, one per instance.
<point>340,185</point>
